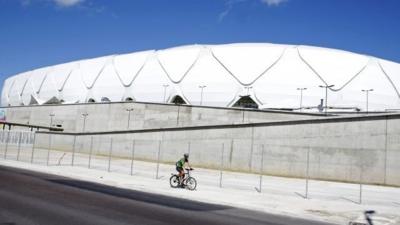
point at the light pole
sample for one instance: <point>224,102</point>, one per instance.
<point>326,95</point>
<point>165,91</point>
<point>51,119</point>
<point>129,115</point>
<point>367,93</point>
<point>84,120</point>
<point>248,89</point>
<point>301,97</point>
<point>201,95</point>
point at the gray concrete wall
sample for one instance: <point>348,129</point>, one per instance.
<point>113,116</point>
<point>339,149</point>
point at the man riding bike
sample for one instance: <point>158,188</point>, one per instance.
<point>182,163</point>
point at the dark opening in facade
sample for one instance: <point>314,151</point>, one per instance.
<point>32,101</point>
<point>91,100</point>
<point>246,102</point>
<point>129,99</point>
<point>54,100</point>
<point>105,99</point>
<point>178,100</point>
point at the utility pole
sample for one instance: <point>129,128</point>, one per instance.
<point>84,120</point>
<point>367,93</point>
<point>51,119</point>
<point>201,95</point>
<point>326,95</point>
<point>301,97</point>
<point>129,116</point>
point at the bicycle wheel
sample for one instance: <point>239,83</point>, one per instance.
<point>174,181</point>
<point>191,183</point>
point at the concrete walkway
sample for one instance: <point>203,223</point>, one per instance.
<point>327,201</point>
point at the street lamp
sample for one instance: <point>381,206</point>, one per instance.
<point>326,95</point>
<point>129,115</point>
<point>367,92</point>
<point>201,95</point>
<point>301,97</point>
<point>165,91</point>
<point>248,89</point>
<point>84,120</point>
<point>51,119</point>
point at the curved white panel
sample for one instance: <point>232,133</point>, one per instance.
<point>178,61</point>
<point>91,69</point>
<point>382,97</point>
<point>108,85</point>
<point>148,85</point>
<point>247,61</point>
<point>74,90</point>
<point>60,73</point>
<point>48,89</point>
<point>38,76</point>
<point>278,88</point>
<point>128,66</point>
<point>334,66</point>
<point>392,70</point>
<point>20,88</point>
<point>8,83</point>
<point>221,88</point>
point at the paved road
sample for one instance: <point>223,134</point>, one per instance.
<point>30,198</point>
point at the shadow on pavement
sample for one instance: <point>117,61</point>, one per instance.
<point>150,198</point>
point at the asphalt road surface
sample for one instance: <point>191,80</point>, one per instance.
<point>30,198</point>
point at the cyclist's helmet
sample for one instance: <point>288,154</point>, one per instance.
<point>186,155</point>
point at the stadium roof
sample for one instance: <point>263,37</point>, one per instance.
<point>244,74</point>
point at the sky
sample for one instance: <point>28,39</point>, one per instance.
<point>38,33</point>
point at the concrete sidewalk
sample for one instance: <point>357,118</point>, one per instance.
<point>327,201</point>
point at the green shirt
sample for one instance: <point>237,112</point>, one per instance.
<point>180,163</point>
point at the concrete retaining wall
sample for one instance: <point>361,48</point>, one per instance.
<point>340,149</point>
<point>114,116</point>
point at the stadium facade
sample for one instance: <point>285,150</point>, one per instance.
<point>251,75</point>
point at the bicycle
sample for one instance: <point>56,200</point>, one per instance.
<point>188,181</point>
<point>368,219</point>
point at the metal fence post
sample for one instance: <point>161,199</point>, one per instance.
<point>307,171</point>
<point>261,168</point>
<point>361,174</point>
<point>19,145</point>
<point>109,156</point>
<point>90,151</point>
<point>222,165</point>
<point>158,158</point>
<point>33,146</point>
<point>7,140</point>
<point>73,152</point>
<point>133,156</point>
<point>48,151</point>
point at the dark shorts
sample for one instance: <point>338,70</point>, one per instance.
<point>179,169</point>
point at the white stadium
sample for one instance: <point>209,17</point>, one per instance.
<point>265,76</point>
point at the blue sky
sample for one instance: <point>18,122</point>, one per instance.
<point>37,33</point>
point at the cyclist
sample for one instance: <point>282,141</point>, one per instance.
<point>180,165</point>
